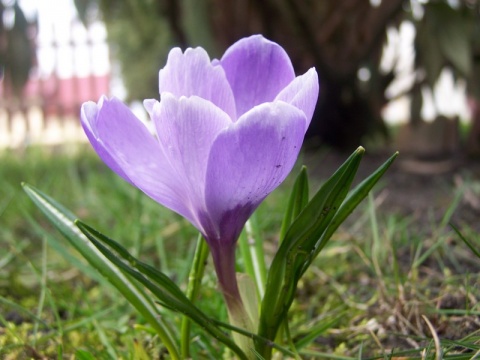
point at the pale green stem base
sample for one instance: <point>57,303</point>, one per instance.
<point>224,261</point>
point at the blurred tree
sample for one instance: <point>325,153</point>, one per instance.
<point>343,39</point>
<point>448,36</point>
<point>17,49</point>
<point>141,33</point>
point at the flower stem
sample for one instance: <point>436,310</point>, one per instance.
<point>224,261</point>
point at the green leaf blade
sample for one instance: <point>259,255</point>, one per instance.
<point>299,242</point>
<point>297,201</point>
<point>354,198</point>
<point>63,220</point>
<point>174,300</point>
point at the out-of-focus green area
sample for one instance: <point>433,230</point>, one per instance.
<point>363,297</point>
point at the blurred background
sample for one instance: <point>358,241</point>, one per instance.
<point>380,63</point>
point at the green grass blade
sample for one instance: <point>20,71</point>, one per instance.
<point>43,288</point>
<point>84,355</point>
<point>104,340</point>
<point>258,254</point>
<point>155,275</point>
<point>23,311</point>
<point>166,290</point>
<point>320,211</point>
<point>55,243</point>
<point>253,256</point>
<point>277,268</point>
<point>316,330</point>
<point>465,240</point>
<point>245,254</point>
<point>255,337</point>
<point>63,220</point>
<point>299,242</point>
<point>297,201</point>
<point>311,354</point>
<point>173,300</point>
<point>194,281</point>
<point>354,198</point>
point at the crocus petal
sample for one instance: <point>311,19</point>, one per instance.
<point>148,104</point>
<point>186,129</point>
<point>302,93</point>
<point>257,70</point>
<point>137,153</point>
<point>88,114</point>
<point>192,73</point>
<point>248,161</point>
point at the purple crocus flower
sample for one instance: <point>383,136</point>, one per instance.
<point>227,133</point>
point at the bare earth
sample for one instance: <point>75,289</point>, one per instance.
<point>423,190</point>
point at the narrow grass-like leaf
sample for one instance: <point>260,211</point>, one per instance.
<point>43,288</point>
<point>297,201</point>
<point>258,253</point>
<point>465,240</point>
<point>139,352</point>
<point>84,355</point>
<point>245,254</point>
<point>194,280</point>
<point>299,242</point>
<point>277,268</point>
<point>63,220</point>
<point>85,322</point>
<point>442,239</point>
<point>329,198</point>
<point>55,243</point>
<point>23,311</point>
<point>286,329</point>
<point>173,300</point>
<point>104,340</point>
<point>255,337</point>
<point>10,255</point>
<point>157,276</point>
<point>321,355</point>
<point>456,312</point>
<point>253,256</point>
<point>170,294</point>
<point>469,342</point>
<point>310,224</point>
<point>354,198</point>
<point>59,352</point>
<point>316,330</point>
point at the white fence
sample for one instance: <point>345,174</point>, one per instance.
<point>72,66</point>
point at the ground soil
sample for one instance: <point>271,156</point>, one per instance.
<point>421,189</point>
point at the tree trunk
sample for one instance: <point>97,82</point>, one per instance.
<point>337,38</point>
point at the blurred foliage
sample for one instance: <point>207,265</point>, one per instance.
<point>338,38</point>
<point>448,36</point>
<point>17,52</point>
<point>444,39</point>
<point>141,33</point>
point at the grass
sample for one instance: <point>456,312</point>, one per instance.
<point>381,289</point>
